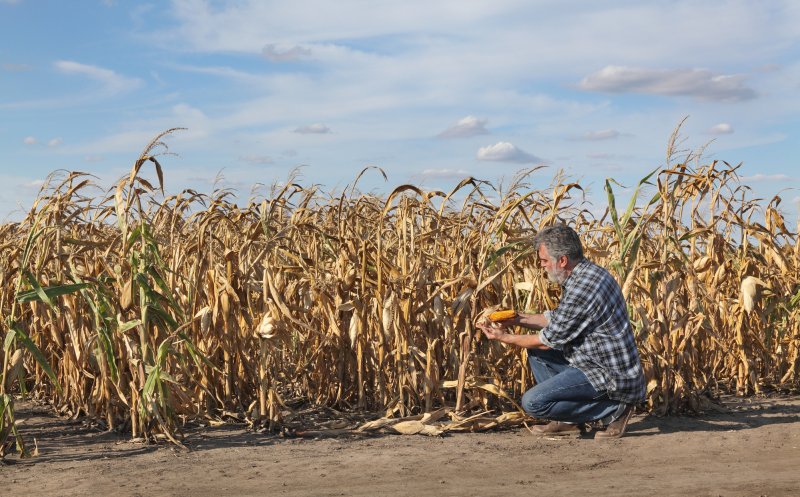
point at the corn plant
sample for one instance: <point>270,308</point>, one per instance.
<point>146,309</point>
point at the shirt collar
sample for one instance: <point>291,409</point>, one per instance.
<point>579,268</point>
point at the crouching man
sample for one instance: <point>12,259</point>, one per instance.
<point>584,358</point>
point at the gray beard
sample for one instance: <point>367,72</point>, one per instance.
<point>558,275</point>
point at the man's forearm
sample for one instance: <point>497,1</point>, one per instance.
<point>531,321</point>
<point>528,341</point>
<point>500,331</point>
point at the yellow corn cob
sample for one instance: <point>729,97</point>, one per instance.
<point>502,315</point>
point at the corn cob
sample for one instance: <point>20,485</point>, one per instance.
<point>497,316</point>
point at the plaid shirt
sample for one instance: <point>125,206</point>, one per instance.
<point>590,326</point>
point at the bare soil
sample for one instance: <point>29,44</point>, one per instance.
<point>753,449</point>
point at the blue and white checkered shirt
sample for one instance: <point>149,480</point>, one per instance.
<point>590,326</point>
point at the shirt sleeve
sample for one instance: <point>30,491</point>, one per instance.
<point>542,337</point>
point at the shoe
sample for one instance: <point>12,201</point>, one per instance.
<point>616,428</point>
<point>556,428</point>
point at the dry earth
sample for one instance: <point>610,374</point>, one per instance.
<point>751,450</point>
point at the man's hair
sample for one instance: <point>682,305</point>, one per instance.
<point>560,240</point>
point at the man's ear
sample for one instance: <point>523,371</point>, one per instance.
<point>563,261</point>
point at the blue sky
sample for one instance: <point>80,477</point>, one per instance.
<point>429,91</point>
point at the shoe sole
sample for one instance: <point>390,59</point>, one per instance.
<point>555,435</point>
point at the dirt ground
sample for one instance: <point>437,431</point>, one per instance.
<point>753,449</point>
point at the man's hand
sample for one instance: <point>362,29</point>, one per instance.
<point>501,330</point>
<point>493,331</point>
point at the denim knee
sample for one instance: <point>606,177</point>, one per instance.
<point>535,404</point>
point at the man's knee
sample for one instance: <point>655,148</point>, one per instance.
<point>536,404</point>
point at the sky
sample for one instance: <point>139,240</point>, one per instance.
<point>429,91</point>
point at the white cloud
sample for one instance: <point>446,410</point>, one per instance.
<point>406,62</point>
<point>277,53</point>
<point>721,129</point>
<point>488,32</point>
<point>242,26</point>
<point>505,152</point>
<point>466,127</point>
<point>388,79</point>
<point>55,142</point>
<point>697,83</point>
<point>112,82</point>
<point>313,129</point>
<point>29,140</point>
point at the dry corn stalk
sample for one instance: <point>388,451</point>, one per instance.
<point>373,298</point>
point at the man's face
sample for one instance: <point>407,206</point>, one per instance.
<point>555,268</point>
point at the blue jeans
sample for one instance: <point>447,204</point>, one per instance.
<point>563,393</point>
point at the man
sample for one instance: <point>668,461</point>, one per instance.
<point>584,359</point>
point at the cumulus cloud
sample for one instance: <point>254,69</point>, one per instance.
<point>112,82</point>
<point>721,129</point>
<point>277,53</point>
<point>505,152</point>
<point>29,140</point>
<point>468,126</point>
<point>697,83</point>
<point>55,142</point>
<point>313,129</point>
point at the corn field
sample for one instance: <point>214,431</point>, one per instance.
<point>147,310</point>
